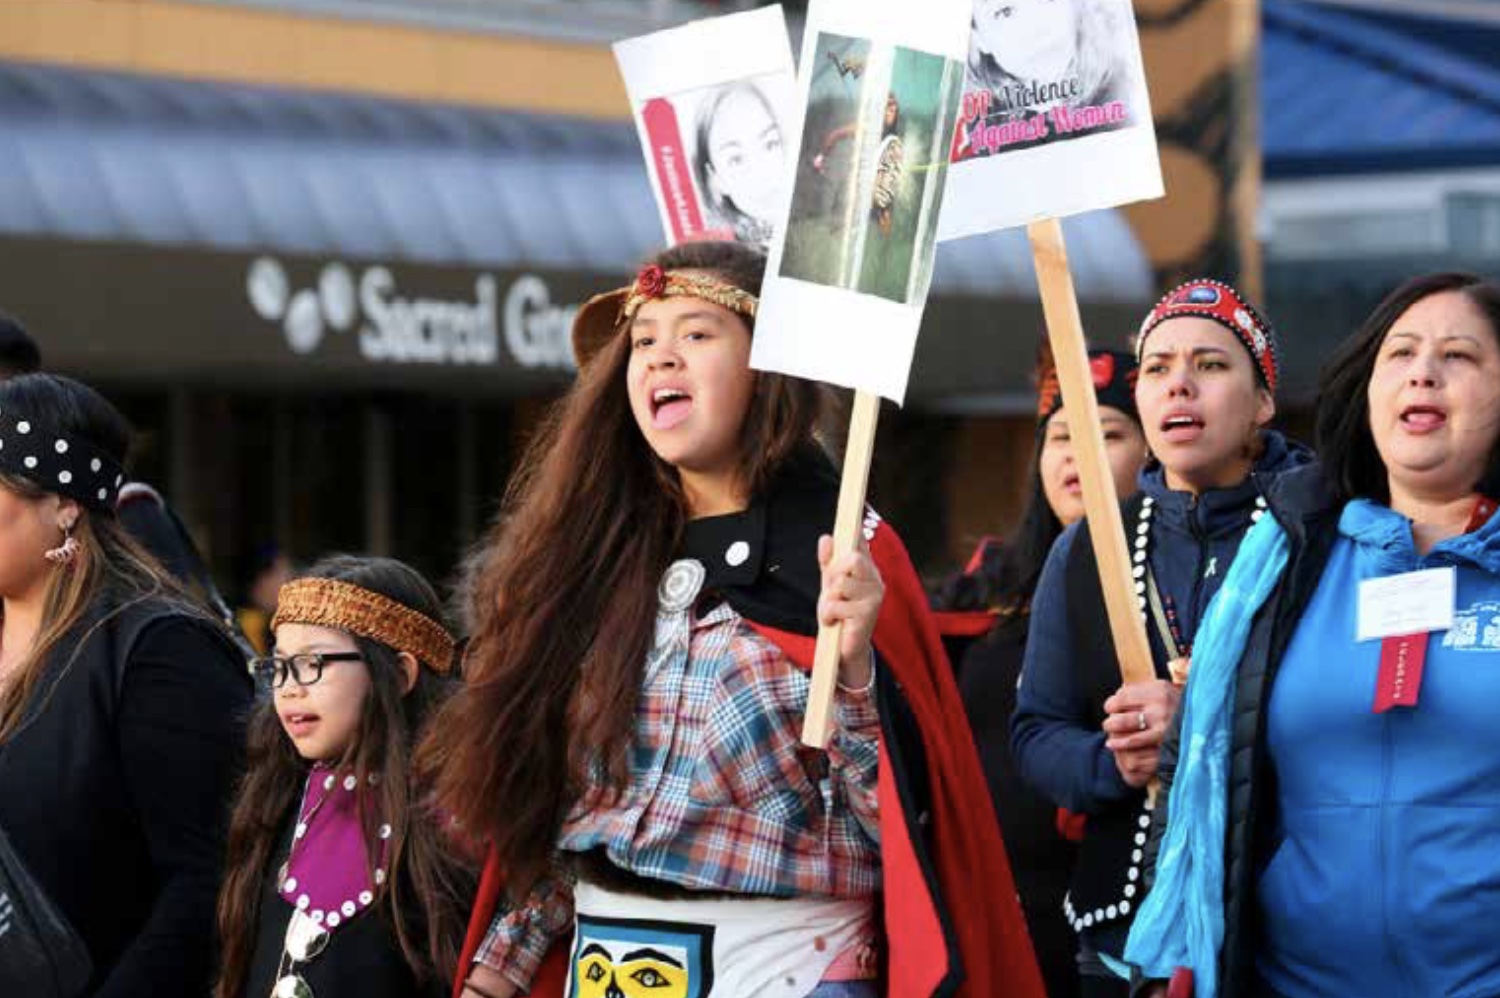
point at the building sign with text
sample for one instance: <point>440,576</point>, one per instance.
<point>389,321</point>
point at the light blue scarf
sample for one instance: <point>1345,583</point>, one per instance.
<point>1181,922</point>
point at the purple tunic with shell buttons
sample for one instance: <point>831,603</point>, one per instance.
<point>321,866</point>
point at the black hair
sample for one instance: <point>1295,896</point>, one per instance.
<point>1345,443</point>
<point>1007,573</point>
<point>110,564</point>
<point>19,353</point>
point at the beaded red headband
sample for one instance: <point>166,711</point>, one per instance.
<point>1223,304</point>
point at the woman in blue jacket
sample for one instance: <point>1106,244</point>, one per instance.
<point>1208,366</point>
<point>1345,810</point>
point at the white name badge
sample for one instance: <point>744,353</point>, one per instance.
<point>1411,603</point>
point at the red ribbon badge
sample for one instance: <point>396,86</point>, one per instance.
<point>1399,683</point>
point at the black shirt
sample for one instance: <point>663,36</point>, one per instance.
<point>115,790</point>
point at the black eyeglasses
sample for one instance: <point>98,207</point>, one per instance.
<point>272,671</point>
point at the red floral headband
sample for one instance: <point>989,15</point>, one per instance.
<point>1223,304</point>
<point>603,316</point>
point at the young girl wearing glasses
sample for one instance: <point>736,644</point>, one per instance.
<point>628,737</point>
<point>338,881</point>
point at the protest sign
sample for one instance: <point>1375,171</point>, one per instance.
<point>712,101</point>
<point>847,277</point>
<point>1056,119</point>
<point>847,281</point>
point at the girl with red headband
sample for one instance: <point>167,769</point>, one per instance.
<point>628,741</point>
<point>1208,368</point>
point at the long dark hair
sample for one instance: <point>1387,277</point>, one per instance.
<point>430,883</point>
<point>110,565</point>
<point>1346,446</point>
<point>588,525</point>
<point>1007,574</point>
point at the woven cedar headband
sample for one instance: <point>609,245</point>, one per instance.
<point>61,463</point>
<point>344,606</point>
<point>604,315</point>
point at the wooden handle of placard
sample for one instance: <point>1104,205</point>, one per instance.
<point>1101,504</point>
<point>846,527</point>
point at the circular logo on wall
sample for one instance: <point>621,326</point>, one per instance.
<point>336,293</point>
<point>304,322</point>
<point>268,288</point>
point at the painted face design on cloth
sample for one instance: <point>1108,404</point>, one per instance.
<point>635,958</point>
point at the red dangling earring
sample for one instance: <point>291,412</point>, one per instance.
<point>65,552</point>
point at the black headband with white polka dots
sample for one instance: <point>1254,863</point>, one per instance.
<point>58,462</point>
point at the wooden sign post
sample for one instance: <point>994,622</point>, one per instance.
<point>1101,504</point>
<point>818,721</point>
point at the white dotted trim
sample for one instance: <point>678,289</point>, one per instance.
<point>1122,907</point>
<point>1139,565</point>
<point>872,523</point>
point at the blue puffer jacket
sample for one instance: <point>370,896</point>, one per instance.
<point>1384,863</point>
<point>1058,745</point>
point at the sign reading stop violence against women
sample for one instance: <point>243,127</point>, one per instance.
<point>712,102</point>
<point>1056,119</point>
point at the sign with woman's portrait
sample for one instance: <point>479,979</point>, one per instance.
<point>712,102</point>
<point>1055,119</point>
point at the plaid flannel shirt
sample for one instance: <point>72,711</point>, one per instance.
<point>722,795</point>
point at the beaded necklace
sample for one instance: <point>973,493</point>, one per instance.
<point>1145,583</point>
